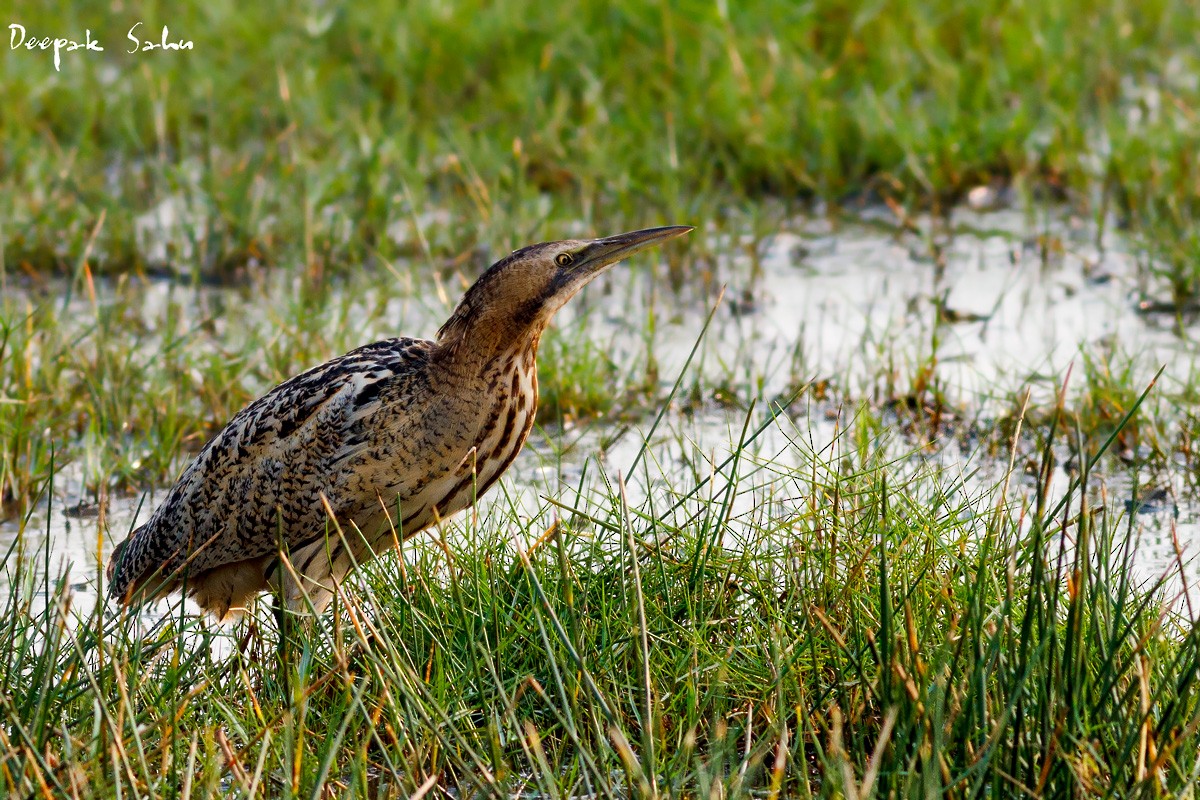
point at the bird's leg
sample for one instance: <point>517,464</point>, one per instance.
<point>284,648</point>
<point>249,635</point>
<point>279,609</point>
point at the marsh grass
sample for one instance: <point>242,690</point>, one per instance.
<point>576,378</point>
<point>332,138</point>
<point>798,624</point>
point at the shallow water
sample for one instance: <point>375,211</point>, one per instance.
<point>996,298</point>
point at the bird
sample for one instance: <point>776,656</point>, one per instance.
<point>341,463</point>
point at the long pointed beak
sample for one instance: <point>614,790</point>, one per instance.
<point>603,252</point>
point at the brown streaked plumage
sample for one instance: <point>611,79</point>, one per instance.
<point>393,436</point>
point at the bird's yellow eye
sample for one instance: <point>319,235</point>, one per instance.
<point>564,259</point>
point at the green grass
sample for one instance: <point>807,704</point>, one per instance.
<point>576,378</point>
<point>297,137</point>
<point>792,625</point>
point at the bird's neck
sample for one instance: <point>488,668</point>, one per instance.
<point>476,349</point>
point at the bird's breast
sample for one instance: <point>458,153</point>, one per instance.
<point>456,454</point>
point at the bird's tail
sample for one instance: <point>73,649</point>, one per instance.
<point>223,591</point>
<point>111,570</point>
<point>123,584</point>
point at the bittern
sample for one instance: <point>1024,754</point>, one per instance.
<point>342,462</point>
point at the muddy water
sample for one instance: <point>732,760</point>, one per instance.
<point>994,298</point>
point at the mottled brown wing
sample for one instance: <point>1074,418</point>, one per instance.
<point>264,474</point>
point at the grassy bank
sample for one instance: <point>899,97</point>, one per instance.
<point>852,634</point>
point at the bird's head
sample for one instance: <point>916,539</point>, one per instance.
<point>517,296</point>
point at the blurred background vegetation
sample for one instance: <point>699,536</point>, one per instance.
<point>337,134</point>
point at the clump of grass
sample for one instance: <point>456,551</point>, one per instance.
<point>792,625</point>
<point>576,378</point>
<point>1108,408</point>
<point>1171,268</point>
